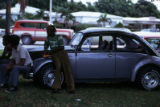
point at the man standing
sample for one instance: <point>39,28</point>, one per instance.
<point>60,57</point>
<point>21,62</point>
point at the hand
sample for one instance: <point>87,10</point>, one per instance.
<point>46,55</point>
<point>8,67</point>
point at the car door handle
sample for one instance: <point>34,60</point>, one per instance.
<point>110,55</point>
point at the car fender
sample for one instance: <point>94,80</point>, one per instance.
<point>142,63</point>
<point>40,62</point>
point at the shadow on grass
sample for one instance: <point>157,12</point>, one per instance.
<point>90,85</point>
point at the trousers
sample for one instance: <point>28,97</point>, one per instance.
<point>11,77</point>
<point>62,63</point>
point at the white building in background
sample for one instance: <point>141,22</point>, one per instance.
<point>86,17</point>
<point>144,22</point>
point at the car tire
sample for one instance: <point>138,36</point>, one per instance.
<point>26,40</point>
<point>45,77</point>
<point>148,78</point>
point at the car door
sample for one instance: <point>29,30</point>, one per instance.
<point>130,51</point>
<point>94,62</point>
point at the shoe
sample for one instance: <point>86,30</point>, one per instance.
<point>56,91</point>
<point>71,92</point>
<point>11,89</point>
<point>3,86</point>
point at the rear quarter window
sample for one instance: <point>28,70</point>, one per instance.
<point>42,25</point>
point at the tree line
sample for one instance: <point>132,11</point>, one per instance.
<point>117,7</point>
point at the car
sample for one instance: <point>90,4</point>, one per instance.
<point>98,55</point>
<point>152,37</point>
<point>35,30</point>
<point>2,32</point>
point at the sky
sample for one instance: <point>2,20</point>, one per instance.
<point>85,1</point>
<point>92,1</point>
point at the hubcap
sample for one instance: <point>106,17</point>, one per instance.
<point>150,80</point>
<point>26,40</point>
<point>49,77</point>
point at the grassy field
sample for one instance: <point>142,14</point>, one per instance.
<point>87,95</point>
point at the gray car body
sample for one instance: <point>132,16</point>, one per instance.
<point>104,66</point>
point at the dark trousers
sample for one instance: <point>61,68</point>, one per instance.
<point>62,61</point>
<point>11,76</point>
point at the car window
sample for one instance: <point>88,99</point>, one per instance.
<point>128,44</point>
<point>90,44</point>
<point>28,25</point>
<point>42,25</point>
<point>106,44</point>
<point>76,39</point>
<point>154,42</point>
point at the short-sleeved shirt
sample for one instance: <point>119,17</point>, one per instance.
<point>53,42</point>
<point>21,53</point>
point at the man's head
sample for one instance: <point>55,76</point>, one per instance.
<point>51,30</point>
<point>13,42</point>
<point>6,39</point>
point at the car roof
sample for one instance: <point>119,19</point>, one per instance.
<point>43,21</point>
<point>102,29</point>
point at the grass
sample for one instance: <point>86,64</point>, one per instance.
<point>1,52</point>
<point>90,95</point>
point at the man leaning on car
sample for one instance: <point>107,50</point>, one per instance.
<point>60,57</point>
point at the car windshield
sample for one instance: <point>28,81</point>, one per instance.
<point>154,42</point>
<point>76,39</point>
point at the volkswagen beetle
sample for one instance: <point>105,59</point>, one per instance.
<point>103,54</point>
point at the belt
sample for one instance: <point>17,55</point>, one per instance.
<point>59,48</point>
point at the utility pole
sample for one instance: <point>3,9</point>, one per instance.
<point>8,16</point>
<point>50,11</point>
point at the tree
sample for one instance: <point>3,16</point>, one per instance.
<point>3,3</point>
<point>119,25</point>
<point>127,8</point>
<point>23,4</point>
<point>103,18</point>
<point>145,9</point>
<point>70,20</point>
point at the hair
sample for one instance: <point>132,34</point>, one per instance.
<point>52,28</point>
<point>14,40</point>
<point>6,39</point>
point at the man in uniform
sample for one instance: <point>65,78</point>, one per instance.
<point>60,57</point>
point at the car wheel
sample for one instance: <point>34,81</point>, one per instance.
<point>149,78</point>
<point>26,40</point>
<point>46,77</point>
